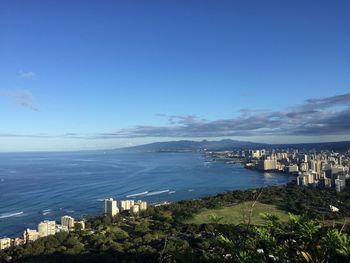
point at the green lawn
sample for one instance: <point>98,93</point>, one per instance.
<point>239,213</point>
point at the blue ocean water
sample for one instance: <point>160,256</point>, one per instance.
<point>38,186</point>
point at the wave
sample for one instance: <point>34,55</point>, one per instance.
<point>46,212</point>
<point>172,192</point>
<point>6,215</point>
<point>158,192</point>
<point>99,200</point>
<point>137,194</point>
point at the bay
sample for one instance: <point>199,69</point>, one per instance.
<point>39,186</point>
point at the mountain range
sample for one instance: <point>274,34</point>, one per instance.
<point>228,144</point>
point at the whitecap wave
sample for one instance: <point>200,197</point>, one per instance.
<point>137,194</point>
<point>46,212</point>
<point>172,192</point>
<point>6,215</point>
<point>158,192</point>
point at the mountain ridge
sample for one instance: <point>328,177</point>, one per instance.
<point>229,144</point>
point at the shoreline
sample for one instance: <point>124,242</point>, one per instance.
<point>169,201</point>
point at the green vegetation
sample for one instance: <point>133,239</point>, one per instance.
<point>210,230</point>
<point>238,214</point>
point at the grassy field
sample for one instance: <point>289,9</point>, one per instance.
<point>239,214</point>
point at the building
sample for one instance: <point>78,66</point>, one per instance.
<point>255,154</point>
<point>17,241</point>
<point>315,166</point>
<point>267,165</point>
<point>304,167</point>
<point>110,207</point>
<point>292,169</point>
<point>306,178</point>
<point>340,160</point>
<point>135,209</point>
<point>142,205</point>
<point>30,235</point>
<point>5,243</point>
<point>340,183</point>
<point>305,158</point>
<point>126,204</point>
<point>61,228</point>
<point>302,180</point>
<point>47,228</point>
<point>67,221</point>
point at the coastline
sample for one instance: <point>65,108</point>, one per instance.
<point>154,172</point>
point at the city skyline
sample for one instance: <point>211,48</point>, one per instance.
<point>83,75</point>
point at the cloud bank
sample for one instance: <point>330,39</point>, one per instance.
<point>316,116</point>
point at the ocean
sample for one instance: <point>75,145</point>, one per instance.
<point>39,186</point>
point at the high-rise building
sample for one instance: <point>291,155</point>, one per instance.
<point>305,178</point>
<point>142,205</point>
<point>340,160</point>
<point>110,207</point>
<point>30,235</point>
<point>5,243</point>
<point>67,221</point>
<point>304,167</point>
<point>47,228</point>
<point>340,183</point>
<point>267,165</point>
<point>305,158</point>
<point>302,180</point>
<point>126,204</point>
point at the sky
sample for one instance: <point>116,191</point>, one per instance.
<point>77,75</point>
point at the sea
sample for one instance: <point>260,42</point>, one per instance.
<point>48,185</point>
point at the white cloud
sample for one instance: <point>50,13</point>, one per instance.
<point>26,74</point>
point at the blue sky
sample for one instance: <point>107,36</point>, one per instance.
<point>107,74</point>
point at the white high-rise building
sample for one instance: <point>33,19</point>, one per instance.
<point>142,205</point>
<point>126,204</point>
<point>110,207</point>
<point>67,221</point>
<point>47,228</point>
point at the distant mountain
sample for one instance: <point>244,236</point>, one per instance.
<point>228,144</point>
<point>185,145</point>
